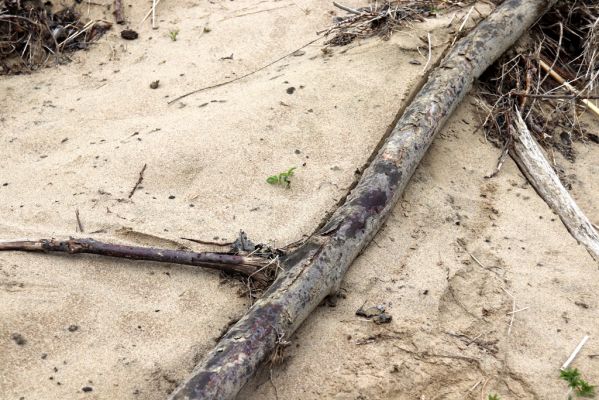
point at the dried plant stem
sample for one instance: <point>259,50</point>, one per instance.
<point>567,85</point>
<point>575,353</point>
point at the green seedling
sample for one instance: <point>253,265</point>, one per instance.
<point>173,34</point>
<point>579,386</point>
<point>282,179</point>
<point>493,397</point>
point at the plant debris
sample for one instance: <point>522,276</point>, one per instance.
<point>563,44</point>
<point>379,18</point>
<point>31,34</point>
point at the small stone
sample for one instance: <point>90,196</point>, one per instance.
<point>171,197</point>
<point>129,34</point>
<point>87,389</point>
<point>290,90</point>
<point>297,151</point>
<point>154,85</point>
<point>73,328</point>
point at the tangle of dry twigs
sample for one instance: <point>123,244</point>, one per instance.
<point>31,34</point>
<point>564,44</point>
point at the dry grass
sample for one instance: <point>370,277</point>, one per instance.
<point>32,34</point>
<point>380,18</point>
<point>566,40</point>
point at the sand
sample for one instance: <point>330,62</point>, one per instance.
<point>75,137</point>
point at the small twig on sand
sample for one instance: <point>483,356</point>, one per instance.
<point>207,242</point>
<point>348,9</point>
<point>482,389</point>
<point>118,12</point>
<point>139,181</point>
<point>462,26</point>
<point>153,9</point>
<point>430,52</point>
<point>248,266</point>
<point>513,313</point>
<point>516,311</point>
<point>256,12</point>
<point>243,76</point>
<point>574,353</point>
<point>79,224</point>
<point>500,161</point>
<point>154,2</point>
<point>474,387</point>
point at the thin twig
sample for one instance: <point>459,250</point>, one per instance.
<point>575,352</point>
<point>243,76</point>
<point>348,9</point>
<point>462,26</point>
<point>556,96</point>
<point>571,88</point>
<point>139,180</point>
<point>79,224</point>
<point>516,311</point>
<point>207,242</point>
<point>430,52</point>
<point>149,12</point>
<point>509,329</point>
<point>154,14</point>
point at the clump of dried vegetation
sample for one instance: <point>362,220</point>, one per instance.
<point>380,18</point>
<point>551,77</point>
<point>32,33</point>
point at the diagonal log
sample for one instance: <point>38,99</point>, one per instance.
<point>529,157</point>
<point>316,269</point>
<point>250,266</point>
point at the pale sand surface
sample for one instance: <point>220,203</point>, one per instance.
<point>142,326</point>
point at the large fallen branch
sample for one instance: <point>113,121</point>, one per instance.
<point>316,269</point>
<point>529,157</point>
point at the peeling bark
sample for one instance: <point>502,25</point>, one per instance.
<point>231,263</point>
<point>532,162</point>
<point>316,269</point>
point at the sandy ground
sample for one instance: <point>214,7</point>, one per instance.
<point>76,136</point>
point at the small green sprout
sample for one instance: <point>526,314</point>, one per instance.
<point>580,387</point>
<point>173,34</point>
<point>282,178</point>
<point>493,397</point>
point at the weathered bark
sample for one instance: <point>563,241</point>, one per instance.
<point>316,269</point>
<point>245,265</point>
<point>531,160</point>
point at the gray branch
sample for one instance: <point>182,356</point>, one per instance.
<point>316,269</point>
